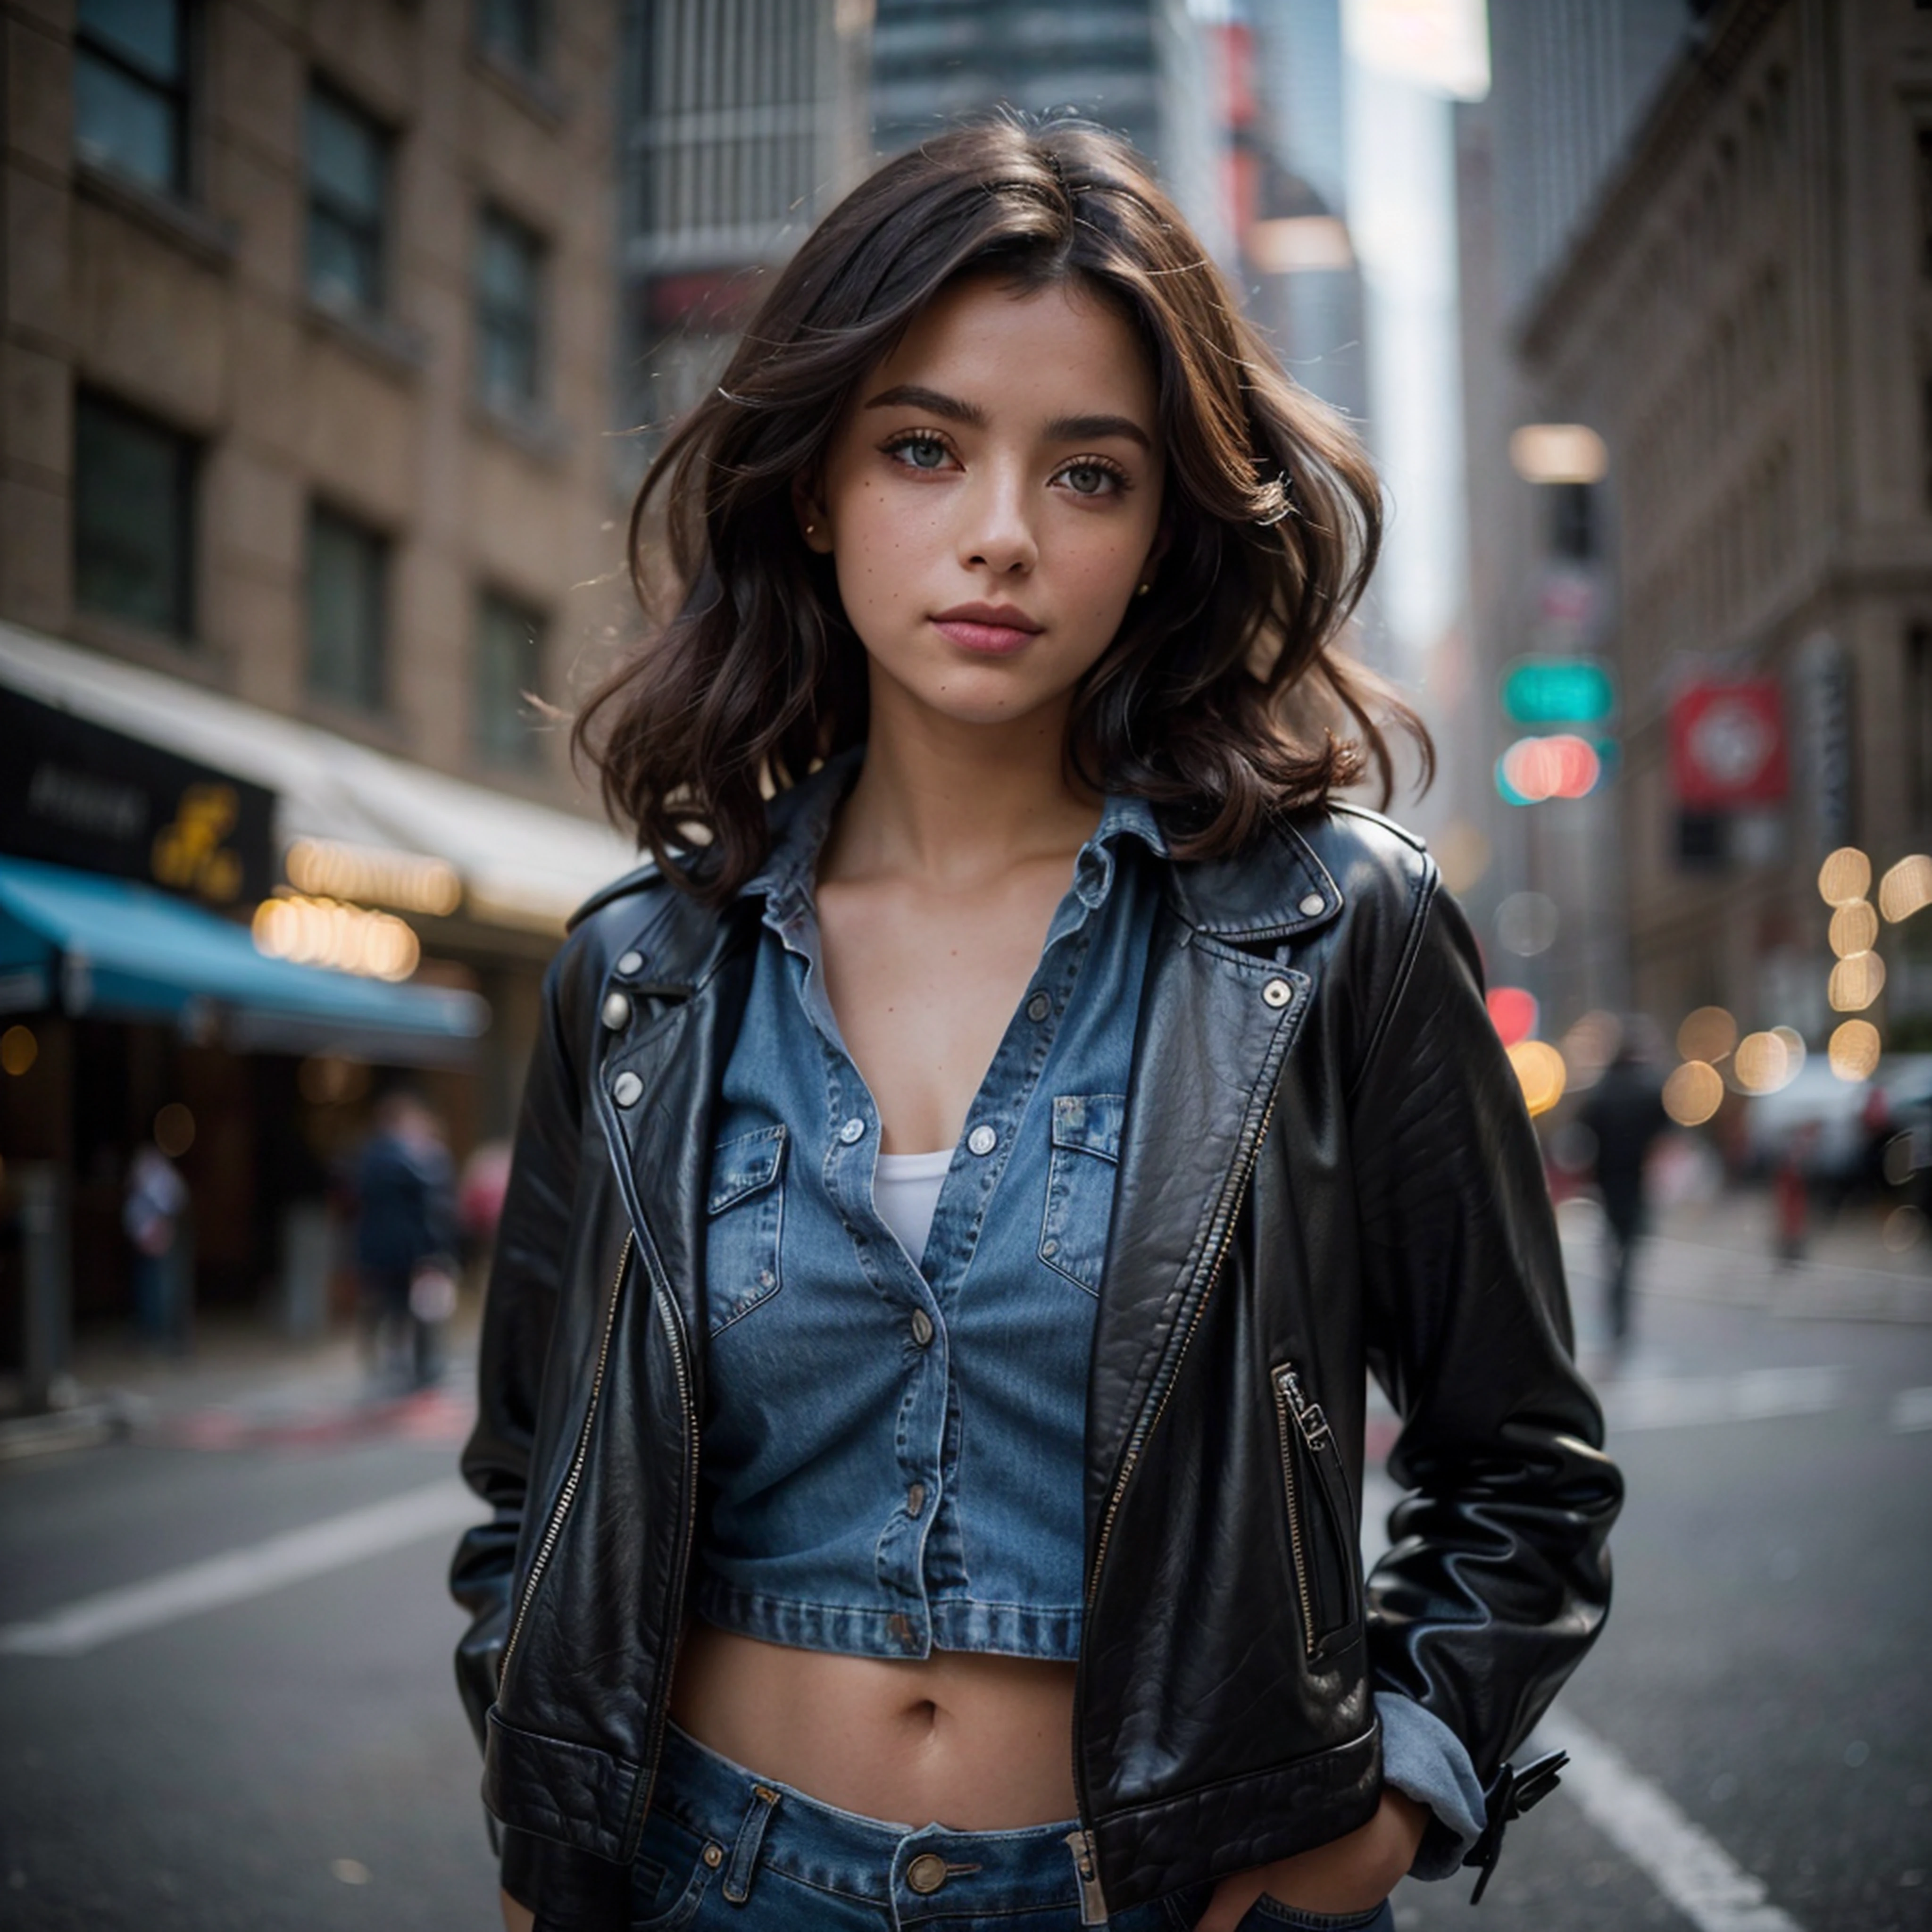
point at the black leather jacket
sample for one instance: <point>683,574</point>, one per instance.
<point>1326,1167</point>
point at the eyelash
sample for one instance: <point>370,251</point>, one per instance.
<point>913,438</point>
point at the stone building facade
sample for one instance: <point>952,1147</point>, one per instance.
<point>1746,320</point>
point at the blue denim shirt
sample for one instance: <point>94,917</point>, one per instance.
<point>893,1450</point>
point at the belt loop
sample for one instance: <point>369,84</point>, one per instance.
<point>751,1836</point>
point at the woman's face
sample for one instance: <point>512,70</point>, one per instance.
<point>992,501</point>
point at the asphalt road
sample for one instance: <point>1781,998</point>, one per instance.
<point>285,1749</point>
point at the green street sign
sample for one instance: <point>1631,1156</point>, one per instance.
<point>1558,691</point>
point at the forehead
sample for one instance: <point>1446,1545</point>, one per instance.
<point>1013,350</point>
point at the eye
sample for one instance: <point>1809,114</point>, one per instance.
<point>916,450</point>
<point>1089,477</point>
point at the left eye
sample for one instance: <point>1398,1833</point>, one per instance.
<point>1088,479</point>
<point>920,452</point>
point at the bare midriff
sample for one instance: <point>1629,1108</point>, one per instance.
<point>974,1742</point>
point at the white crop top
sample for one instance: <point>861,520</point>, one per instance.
<point>905,1190</point>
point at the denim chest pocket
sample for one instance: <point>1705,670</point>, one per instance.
<point>745,1210</point>
<point>1080,1176</point>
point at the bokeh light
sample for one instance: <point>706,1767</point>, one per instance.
<point>1709,1033</point>
<point>1854,928</point>
<point>174,1130</point>
<point>1590,1046</point>
<point>1794,1051</point>
<point>1854,1050</point>
<point>1526,924</point>
<point>1693,1092</point>
<point>1762,1063</point>
<point>320,932</point>
<point>1512,1012</point>
<point>1906,888</point>
<point>1540,1072</point>
<point>1845,875</point>
<point>1561,766</point>
<point>1462,850</point>
<point>1856,983</point>
<point>19,1049</point>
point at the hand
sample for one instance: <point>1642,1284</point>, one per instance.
<point>1354,1874</point>
<point>517,1918</point>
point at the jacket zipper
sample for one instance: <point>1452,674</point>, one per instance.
<point>1296,1411</point>
<point>667,1670</point>
<point>567,1495</point>
<point>1130,1461</point>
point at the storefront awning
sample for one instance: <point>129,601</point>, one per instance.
<point>521,863</point>
<point>88,944</point>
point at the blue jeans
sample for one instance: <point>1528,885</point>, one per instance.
<point>725,1848</point>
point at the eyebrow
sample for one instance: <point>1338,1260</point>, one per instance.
<point>1061,429</point>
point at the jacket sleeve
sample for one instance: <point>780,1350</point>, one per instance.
<point>531,1239</point>
<point>1499,1578</point>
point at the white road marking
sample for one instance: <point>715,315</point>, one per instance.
<point>297,1554</point>
<point>1756,1394</point>
<point>1681,1859</point>
<point>1911,1410</point>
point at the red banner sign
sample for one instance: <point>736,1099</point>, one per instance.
<point>1727,745</point>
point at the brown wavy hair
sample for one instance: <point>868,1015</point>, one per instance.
<point>1219,699</point>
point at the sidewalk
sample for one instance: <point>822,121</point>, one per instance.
<point>245,1386</point>
<point>1724,1250</point>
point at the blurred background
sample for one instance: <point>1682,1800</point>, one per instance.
<point>335,335</point>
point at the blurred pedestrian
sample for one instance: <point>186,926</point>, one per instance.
<point>1624,1114</point>
<point>405,1239</point>
<point>152,1214</point>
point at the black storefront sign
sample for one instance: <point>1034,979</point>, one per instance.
<point>74,793</point>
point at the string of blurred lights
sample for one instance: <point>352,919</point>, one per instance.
<point>314,931</point>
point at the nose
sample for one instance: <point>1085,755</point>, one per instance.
<point>996,532</point>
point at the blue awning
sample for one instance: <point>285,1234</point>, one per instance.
<point>89,944</point>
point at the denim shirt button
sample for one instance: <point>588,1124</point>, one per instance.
<point>915,1499</point>
<point>982,1140</point>
<point>627,1090</point>
<point>1038,1007</point>
<point>616,1013</point>
<point>1277,993</point>
<point>922,1327</point>
<point>853,1131</point>
<point>627,963</point>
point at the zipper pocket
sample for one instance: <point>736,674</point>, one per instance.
<point>574,1476</point>
<point>1315,1490</point>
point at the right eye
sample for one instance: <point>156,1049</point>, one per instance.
<point>918,452</point>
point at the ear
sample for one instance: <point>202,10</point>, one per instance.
<point>814,525</point>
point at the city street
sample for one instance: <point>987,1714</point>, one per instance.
<point>275,1742</point>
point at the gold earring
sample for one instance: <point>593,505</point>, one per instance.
<point>1143,589</point>
<point>810,528</point>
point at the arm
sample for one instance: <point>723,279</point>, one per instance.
<point>518,1315</point>
<point>1498,1579</point>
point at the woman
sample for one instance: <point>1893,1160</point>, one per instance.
<point>956,1202</point>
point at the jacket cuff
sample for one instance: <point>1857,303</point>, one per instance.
<point>1424,1759</point>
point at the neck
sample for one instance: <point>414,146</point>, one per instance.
<point>952,803</point>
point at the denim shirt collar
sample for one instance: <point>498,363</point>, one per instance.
<point>803,818</point>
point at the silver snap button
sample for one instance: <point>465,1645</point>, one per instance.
<point>1038,1007</point>
<point>926,1874</point>
<point>1277,993</point>
<point>616,1013</point>
<point>982,1140</point>
<point>922,1327</point>
<point>1313,903</point>
<point>627,1090</point>
<point>627,963</point>
<point>853,1130</point>
<point>915,1499</point>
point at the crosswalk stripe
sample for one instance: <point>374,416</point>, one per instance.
<point>312,1551</point>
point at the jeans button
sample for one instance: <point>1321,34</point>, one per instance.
<point>922,1327</point>
<point>926,1874</point>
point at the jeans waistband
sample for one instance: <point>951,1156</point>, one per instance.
<point>917,1871</point>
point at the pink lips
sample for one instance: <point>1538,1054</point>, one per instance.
<point>989,630</point>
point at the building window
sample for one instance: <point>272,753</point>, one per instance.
<point>509,290</point>
<point>130,62</point>
<point>348,584</point>
<point>133,517</point>
<point>509,664</point>
<point>348,201</point>
<point>514,30</point>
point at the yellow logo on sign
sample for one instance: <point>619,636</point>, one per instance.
<point>189,855</point>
